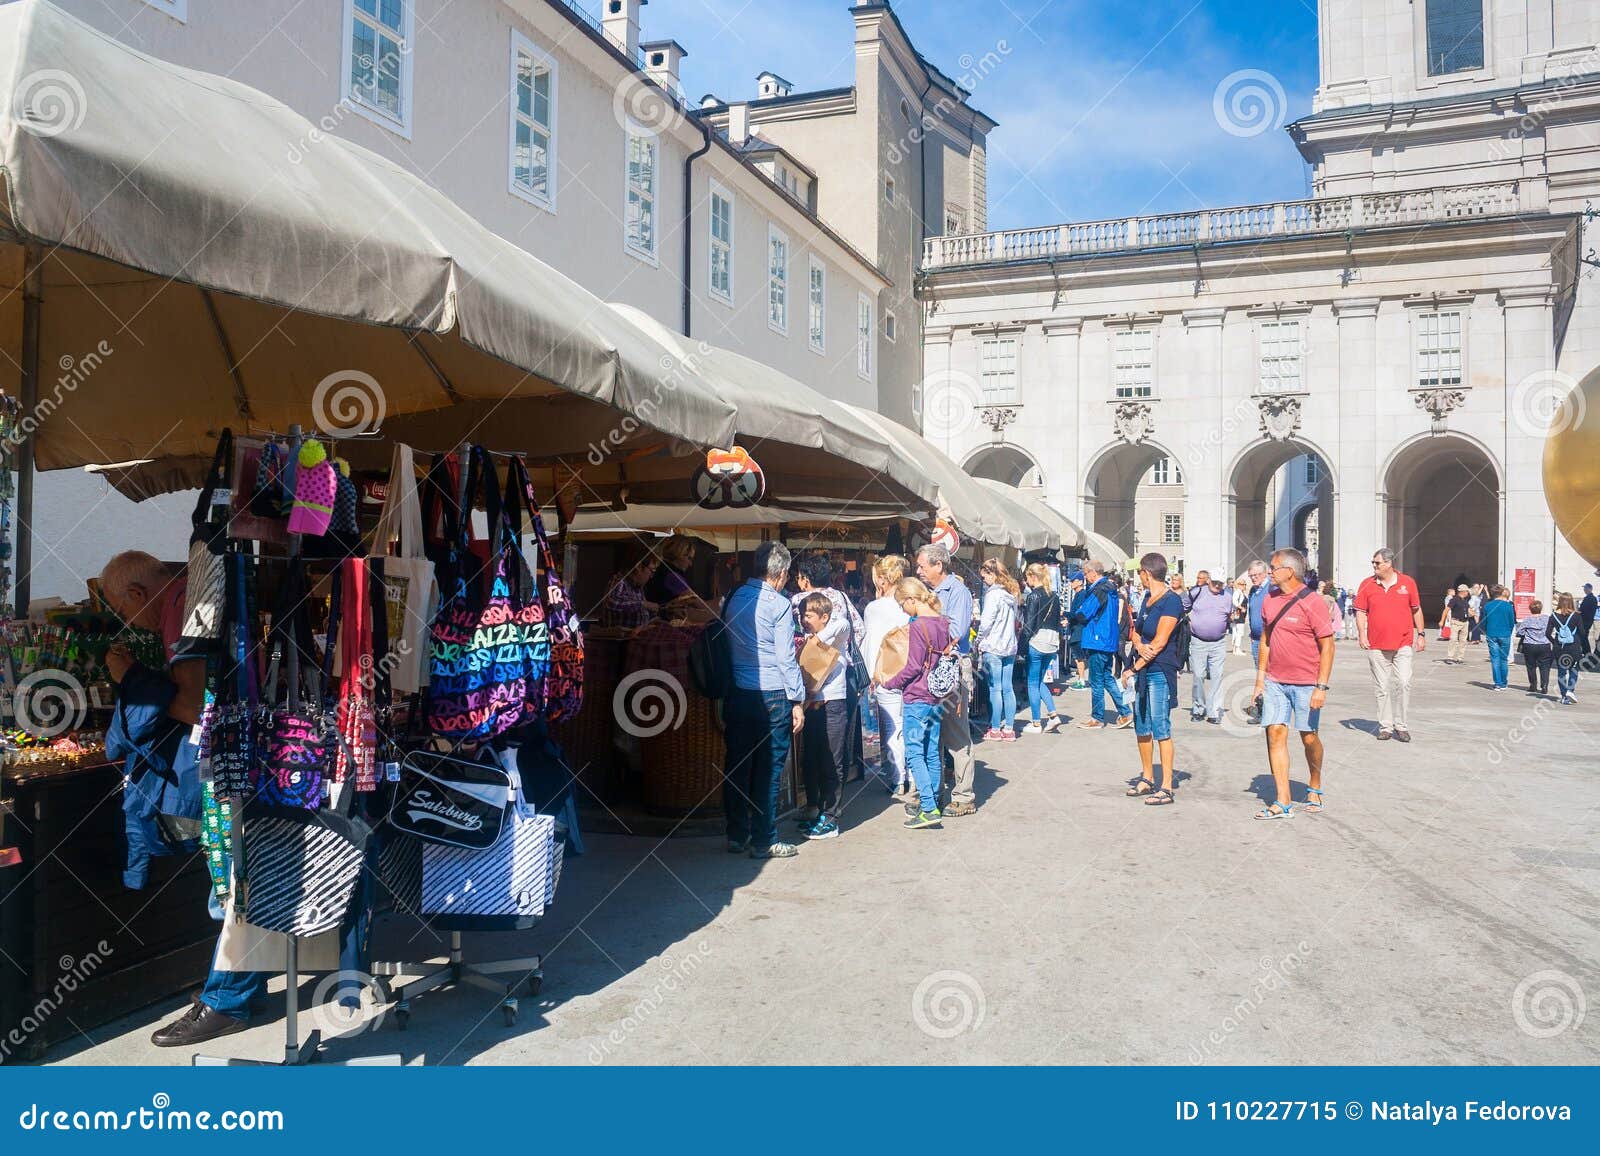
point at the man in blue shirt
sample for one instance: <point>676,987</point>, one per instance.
<point>955,735</point>
<point>1499,619</point>
<point>1098,610</point>
<point>765,708</point>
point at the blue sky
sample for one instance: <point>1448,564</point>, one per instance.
<point>1105,109</point>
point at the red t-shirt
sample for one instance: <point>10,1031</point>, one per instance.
<point>1389,612</point>
<point>172,598</point>
<point>1293,656</point>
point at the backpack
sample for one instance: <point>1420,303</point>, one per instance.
<point>944,673</point>
<point>1564,632</point>
<point>711,660</point>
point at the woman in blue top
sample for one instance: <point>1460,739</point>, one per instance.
<point>1154,674</point>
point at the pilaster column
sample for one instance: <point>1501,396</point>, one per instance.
<point>1061,451</point>
<point>1358,491</point>
<point>1204,507</point>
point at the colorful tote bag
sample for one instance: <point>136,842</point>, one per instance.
<point>478,649</point>
<point>527,604</point>
<point>563,683</point>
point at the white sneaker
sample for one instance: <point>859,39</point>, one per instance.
<point>1033,728</point>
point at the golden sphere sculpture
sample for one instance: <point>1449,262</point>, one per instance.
<point>1572,464</point>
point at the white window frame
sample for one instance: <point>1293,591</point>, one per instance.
<point>778,281</point>
<point>1127,360</point>
<point>1272,361</point>
<point>719,193</point>
<point>400,126</point>
<point>866,335</point>
<point>997,369</point>
<point>635,131</point>
<point>1429,79</point>
<point>1313,472</point>
<point>177,9</point>
<point>817,306</point>
<point>542,60</point>
<point>1172,529</point>
<point>890,325</point>
<point>1439,377</point>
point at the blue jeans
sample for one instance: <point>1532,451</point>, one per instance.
<point>923,760</point>
<point>1152,708</point>
<point>1566,674</point>
<point>1500,659</point>
<point>1002,690</point>
<point>757,726</point>
<point>1040,704</point>
<point>230,992</point>
<point>1102,683</point>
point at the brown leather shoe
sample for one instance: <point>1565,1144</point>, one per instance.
<point>197,1025</point>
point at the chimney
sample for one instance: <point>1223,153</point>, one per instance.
<point>739,122</point>
<point>620,22</point>
<point>770,84</point>
<point>662,59</point>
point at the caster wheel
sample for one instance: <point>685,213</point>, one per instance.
<point>402,1019</point>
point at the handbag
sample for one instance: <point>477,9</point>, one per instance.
<point>892,653</point>
<point>944,672</point>
<point>1045,641</point>
<point>297,870</point>
<point>1444,632</point>
<point>296,739</point>
<point>817,660</point>
<point>527,608</point>
<point>350,635</point>
<point>205,595</point>
<point>411,593</point>
<point>563,683</point>
<point>478,658</point>
<point>229,737</point>
<point>452,801</point>
<point>273,492</point>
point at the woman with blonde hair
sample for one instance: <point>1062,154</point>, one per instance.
<point>929,632</point>
<point>1041,617</point>
<point>884,617</point>
<point>997,642</point>
<point>1567,637</point>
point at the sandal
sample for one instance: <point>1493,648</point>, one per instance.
<point>1142,787</point>
<point>1275,811</point>
<point>1161,798</point>
<point>1313,804</point>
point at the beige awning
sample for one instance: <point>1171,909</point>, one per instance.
<point>730,529</point>
<point>206,258</point>
<point>1070,534</point>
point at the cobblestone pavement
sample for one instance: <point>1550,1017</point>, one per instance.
<point>1443,909</point>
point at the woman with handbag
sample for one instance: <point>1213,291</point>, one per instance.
<point>997,642</point>
<point>884,618</point>
<point>1041,610</point>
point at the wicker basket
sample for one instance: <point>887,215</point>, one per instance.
<point>683,765</point>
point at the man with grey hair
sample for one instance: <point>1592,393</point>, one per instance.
<point>1259,587</point>
<point>1292,672</point>
<point>1099,612</point>
<point>1389,625</point>
<point>765,708</point>
<point>955,734</point>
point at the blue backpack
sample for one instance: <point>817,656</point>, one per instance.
<point>1564,634</point>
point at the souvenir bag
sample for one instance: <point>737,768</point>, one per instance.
<point>478,661</point>
<point>273,493</point>
<point>452,801</point>
<point>527,608</point>
<point>229,739</point>
<point>351,631</point>
<point>410,591</point>
<point>216,835</point>
<point>205,594</point>
<point>563,682</point>
<point>298,869</point>
<point>296,740</point>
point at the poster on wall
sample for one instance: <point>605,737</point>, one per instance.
<point>1522,591</point>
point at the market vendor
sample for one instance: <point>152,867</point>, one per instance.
<point>155,713</point>
<point>625,607</point>
<point>672,579</point>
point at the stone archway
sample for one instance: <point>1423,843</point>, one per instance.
<point>1121,500</point>
<point>1444,504</point>
<point>1274,487</point>
<point>1008,464</point>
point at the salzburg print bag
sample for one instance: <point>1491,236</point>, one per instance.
<point>452,801</point>
<point>563,684</point>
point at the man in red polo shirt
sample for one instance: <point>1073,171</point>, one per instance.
<point>1389,623</point>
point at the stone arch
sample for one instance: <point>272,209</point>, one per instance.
<point>1110,486</point>
<point>1444,514</point>
<point>1267,504</point>
<point>1006,463</point>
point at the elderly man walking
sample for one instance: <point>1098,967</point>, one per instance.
<point>1210,608</point>
<point>955,732</point>
<point>764,709</point>
<point>1292,670</point>
<point>1389,626</point>
<point>1099,612</point>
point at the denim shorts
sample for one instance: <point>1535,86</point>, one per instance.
<point>1286,704</point>
<point>1152,709</point>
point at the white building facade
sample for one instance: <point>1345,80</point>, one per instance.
<point>1410,329</point>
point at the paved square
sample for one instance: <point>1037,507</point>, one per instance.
<point>1442,910</point>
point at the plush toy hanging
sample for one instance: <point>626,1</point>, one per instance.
<point>315,488</point>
